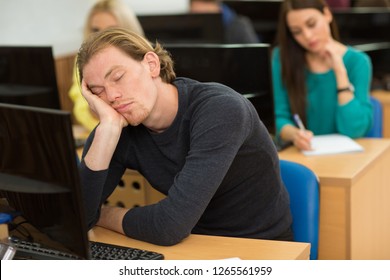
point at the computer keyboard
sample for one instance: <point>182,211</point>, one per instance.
<point>104,251</point>
<point>99,251</point>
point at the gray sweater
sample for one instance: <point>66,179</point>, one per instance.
<point>216,163</point>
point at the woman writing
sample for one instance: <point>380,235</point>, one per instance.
<point>317,77</point>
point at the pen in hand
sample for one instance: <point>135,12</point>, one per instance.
<point>299,122</point>
<point>304,139</point>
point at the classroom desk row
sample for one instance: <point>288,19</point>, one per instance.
<point>354,208</point>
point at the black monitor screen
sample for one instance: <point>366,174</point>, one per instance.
<point>39,182</point>
<point>28,77</point>
<point>183,28</point>
<point>363,25</point>
<point>380,58</point>
<point>245,68</point>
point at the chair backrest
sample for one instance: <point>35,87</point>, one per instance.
<point>376,130</point>
<point>303,187</point>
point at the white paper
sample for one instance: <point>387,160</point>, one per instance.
<point>333,144</point>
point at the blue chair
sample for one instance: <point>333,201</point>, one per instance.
<point>376,130</point>
<point>303,187</point>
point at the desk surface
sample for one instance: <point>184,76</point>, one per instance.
<point>204,247</point>
<point>340,167</point>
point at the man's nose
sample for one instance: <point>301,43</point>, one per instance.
<point>112,94</point>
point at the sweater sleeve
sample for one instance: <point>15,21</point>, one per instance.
<point>97,185</point>
<point>354,119</point>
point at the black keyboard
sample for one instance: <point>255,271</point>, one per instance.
<point>104,251</point>
<point>99,251</point>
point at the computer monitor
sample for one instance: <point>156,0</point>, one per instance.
<point>39,178</point>
<point>264,15</point>
<point>28,77</point>
<point>380,59</point>
<point>243,67</point>
<point>363,25</point>
<point>356,25</point>
<point>183,28</point>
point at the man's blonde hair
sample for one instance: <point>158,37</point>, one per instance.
<point>128,42</point>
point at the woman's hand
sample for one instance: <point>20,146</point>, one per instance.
<point>299,137</point>
<point>302,139</point>
<point>333,56</point>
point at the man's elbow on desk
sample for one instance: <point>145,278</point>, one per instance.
<point>112,218</point>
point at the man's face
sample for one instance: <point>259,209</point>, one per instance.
<point>125,84</point>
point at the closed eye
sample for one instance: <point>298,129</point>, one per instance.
<point>118,76</point>
<point>97,90</point>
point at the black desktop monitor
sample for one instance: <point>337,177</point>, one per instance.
<point>243,67</point>
<point>183,28</point>
<point>28,77</point>
<point>380,59</point>
<point>363,25</point>
<point>39,178</point>
<point>264,15</point>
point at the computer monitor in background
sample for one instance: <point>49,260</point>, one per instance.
<point>380,59</point>
<point>264,15</point>
<point>39,178</point>
<point>363,25</point>
<point>28,77</point>
<point>183,28</point>
<point>243,67</point>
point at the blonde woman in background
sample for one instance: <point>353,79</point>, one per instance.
<point>104,14</point>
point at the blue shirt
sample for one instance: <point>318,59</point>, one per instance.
<point>323,113</point>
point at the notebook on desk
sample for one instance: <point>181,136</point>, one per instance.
<point>39,182</point>
<point>332,144</point>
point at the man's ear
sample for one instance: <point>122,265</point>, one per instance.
<point>153,63</point>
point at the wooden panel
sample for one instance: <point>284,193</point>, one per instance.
<point>333,237</point>
<point>130,192</point>
<point>133,191</point>
<point>370,213</point>
<point>64,71</point>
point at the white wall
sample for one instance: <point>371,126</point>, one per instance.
<point>59,23</point>
<point>144,7</point>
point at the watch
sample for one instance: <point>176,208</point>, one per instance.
<point>350,88</point>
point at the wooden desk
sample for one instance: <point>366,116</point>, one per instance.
<point>384,97</point>
<point>354,197</point>
<point>205,247</point>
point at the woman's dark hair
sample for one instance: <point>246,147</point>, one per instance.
<point>292,55</point>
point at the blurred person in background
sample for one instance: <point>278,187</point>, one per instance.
<point>104,14</point>
<point>238,28</point>
<point>317,77</point>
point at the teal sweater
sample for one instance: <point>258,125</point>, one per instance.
<point>323,113</point>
